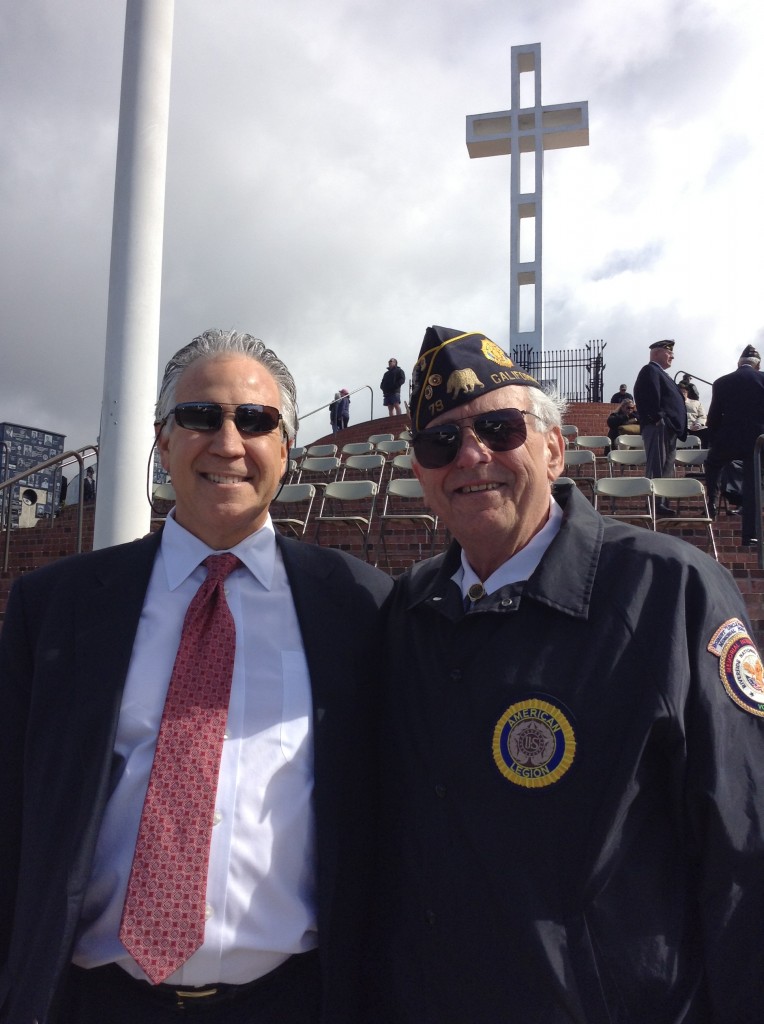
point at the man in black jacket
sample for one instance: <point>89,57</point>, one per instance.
<point>662,412</point>
<point>391,384</point>
<point>735,419</point>
<point>571,765</point>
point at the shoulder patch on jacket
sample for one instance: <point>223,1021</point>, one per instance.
<point>740,667</point>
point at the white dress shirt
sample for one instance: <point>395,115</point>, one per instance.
<point>260,888</point>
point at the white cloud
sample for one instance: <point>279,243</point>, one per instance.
<point>320,193</point>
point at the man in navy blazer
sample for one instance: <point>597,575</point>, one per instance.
<point>662,412</point>
<point>86,655</point>
<point>735,419</point>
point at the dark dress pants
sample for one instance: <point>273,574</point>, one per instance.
<point>718,457</point>
<point>660,450</point>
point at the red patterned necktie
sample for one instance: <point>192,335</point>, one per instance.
<point>164,913</point>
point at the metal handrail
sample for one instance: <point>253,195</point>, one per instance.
<point>757,449</point>
<point>354,392</point>
<point>692,376</point>
<point>79,457</point>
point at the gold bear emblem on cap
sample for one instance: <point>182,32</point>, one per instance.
<point>463,380</point>
<point>492,351</point>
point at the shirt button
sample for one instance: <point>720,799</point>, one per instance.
<point>429,916</point>
<point>456,675</point>
<point>218,817</point>
<point>440,790</point>
<point>506,602</point>
<point>208,911</point>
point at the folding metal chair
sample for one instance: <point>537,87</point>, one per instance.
<point>348,503</point>
<point>356,448</point>
<point>320,471</point>
<point>375,438</point>
<point>291,503</point>
<point>691,441</point>
<point>398,447</point>
<point>401,466</point>
<point>627,459</point>
<point>319,451</point>
<point>691,457</point>
<point>401,492</point>
<point>576,465</point>
<point>626,441</point>
<point>296,455</point>
<point>370,467</point>
<point>628,498</point>
<point>691,494</point>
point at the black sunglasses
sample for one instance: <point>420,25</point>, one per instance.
<point>206,416</point>
<point>499,431</point>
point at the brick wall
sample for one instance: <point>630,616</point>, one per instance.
<point>405,542</point>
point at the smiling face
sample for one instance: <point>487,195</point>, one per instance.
<point>494,502</point>
<point>223,481</point>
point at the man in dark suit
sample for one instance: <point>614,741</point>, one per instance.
<point>88,660</point>
<point>662,413</point>
<point>735,419</point>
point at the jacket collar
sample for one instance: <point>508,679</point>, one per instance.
<point>554,584</point>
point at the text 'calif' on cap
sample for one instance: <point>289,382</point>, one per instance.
<point>456,366</point>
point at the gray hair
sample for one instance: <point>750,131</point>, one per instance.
<point>753,361</point>
<point>548,405</point>
<point>216,343</point>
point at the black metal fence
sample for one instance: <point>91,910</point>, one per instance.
<point>578,374</point>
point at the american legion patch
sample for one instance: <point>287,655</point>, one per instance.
<point>740,668</point>
<point>533,743</point>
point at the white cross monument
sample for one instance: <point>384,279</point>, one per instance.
<point>527,130</point>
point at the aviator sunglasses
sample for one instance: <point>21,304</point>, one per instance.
<point>207,416</point>
<point>500,431</point>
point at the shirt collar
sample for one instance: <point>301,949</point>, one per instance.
<point>183,552</point>
<point>520,566</point>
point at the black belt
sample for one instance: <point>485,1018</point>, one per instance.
<point>187,996</point>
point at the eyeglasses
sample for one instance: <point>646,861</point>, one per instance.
<point>207,416</point>
<point>500,431</point>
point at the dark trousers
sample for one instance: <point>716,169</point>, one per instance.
<point>660,450</point>
<point>107,995</point>
<point>717,459</point>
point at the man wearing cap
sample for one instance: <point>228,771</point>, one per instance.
<point>571,769</point>
<point>662,412</point>
<point>621,395</point>
<point>735,419</point>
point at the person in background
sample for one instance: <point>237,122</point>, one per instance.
<point>89,489</point>
<point>343,413</point>
<point>692,391</point>
<point>392,382</point>
<point>571,768</point>
<point>624,415</point>
<point>621,395</point>
<point>185,767</point>
<point>696,416</point>
<point>334,409</point>
<point>735,420</point>
<point>662,414</point>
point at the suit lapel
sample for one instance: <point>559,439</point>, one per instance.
<point>316,614</point>
<point>107,605</point>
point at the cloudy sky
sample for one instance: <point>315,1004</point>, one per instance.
<point>320,194</point>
